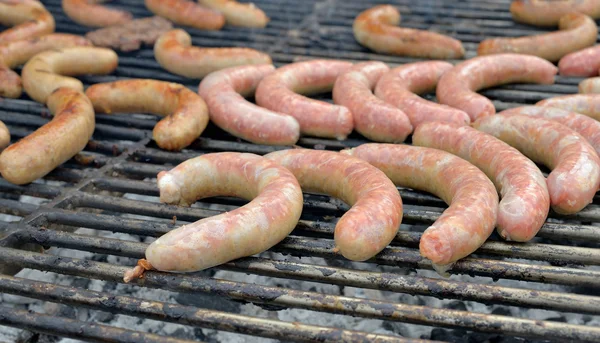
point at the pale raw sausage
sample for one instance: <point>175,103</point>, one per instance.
<point>585,62</point>
<point>588,104</point>
<point>89,13</point>
<point>187,13</point>
<point>4,136</point>
<point>591,85</point>
<point>548,13</point>
<point>238,14</point>
<point>29,18</point>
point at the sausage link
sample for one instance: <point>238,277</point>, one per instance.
<point>525,200</point>
<point>549,13</point>
<point>373,117</point>
<point>224,93</point>
<point>174,52</point>
<point>401,85</point>
<point>54,143</point>
<point>473,200</point>
<point>187,13</point>
<point>377,29</point>
<point>588,104</point>
<point>457,86</point>
<point>89,13</point>
<point>185,111</point>
<point>16,53</point>
<point>238,14</point>
<point>4,136</point>
<point>577,31</point>
<point>585,62</point>
<point>376,207</point>
<point>280,92</point>
<point>575,166</point>
<point>590,86</point>
<point>44,72</point>
<point>29,19</point>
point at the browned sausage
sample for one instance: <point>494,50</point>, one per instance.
<point>238,14</point>
<point>548,13</point>
<point>89,13</point>
<point>187,13</point>
<point>29,19</point>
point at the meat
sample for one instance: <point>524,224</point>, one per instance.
<point>272,213</point>
<point>224,93</point>
<point>52,144</point>
<point>577,31</point>
<point>187,13</point>
<point>585,62</point>
<point>186,113</point>
<point>281,92</point>
<point>376,207</point>
<point>525,200</point>
<point>238,14</point>
<point>131,35</point>
<point>373,117</point>
<point>588,104</point>
<point>174,52</point>
<point>548,13</point>
<point>401,86</point>
<point>16,53</point>
<point>89,13</point>
<point>44,72</point>
<point>457,86</point>
<point>376,28</point>
<point>591,85</point>
<point>29,19</point>
<point>575,166</point>
<point>4,136</point>
<point>471,216</point>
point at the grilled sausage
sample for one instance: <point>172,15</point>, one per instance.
<point>16,53</point>
<point>54,143</point>
<point>577,31</point>
<point>89,13</point>
<point>457,86</point>
<point>585,62</point>
<point>588,104</point>
<point>591,85</point>
<point>549,13</point>
<point>29,19</point>
<point>187,13</point>
<point>280,92</point>
<point>186,113</point>
<point>376,28</point>
<point>473,200</point>
<point>373,118</point>
<point>401,85</point>
<point>173,51</point>
<point>238,14</point>
<point>525,200</point>
<point>4,136</point>
<point>575,166</point>
<point>376,207</point>
<point>44,72</point>
<point>224,93</point>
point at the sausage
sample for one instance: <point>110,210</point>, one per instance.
<point>238,14</point>
<point>89,13</point>
<point>272,213</point>
<point>376,28</point>
<point>548,13</point>
<point>457,86</point>
<point>591,85</point>
<point>186,113</point>
<point>29,18</point>
<point>577,31</point>
<point>588,104</point>
<point>373,117</point>
<point>187,13</point>
<point>4,136</point>
<point>525,200</point>
<point>54,143</point>
<point>44,72</point>
<point>224,93</point>
<point>467,222</point>
<point>16,53</point>
<point>174,52</point>
<point>401,85</point>
<point>575,166</point>
<point>280,92</point>
<point>585,62</point>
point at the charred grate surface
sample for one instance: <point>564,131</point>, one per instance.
<point>97,213</point>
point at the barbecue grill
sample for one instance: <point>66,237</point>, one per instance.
<point>97,213</point>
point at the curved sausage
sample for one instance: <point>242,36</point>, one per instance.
<point>376,207</point>
<point>29,19</point>
<point>54,143</point>
<point>224,93</point>
<point>280,92</point>
<point>588,104</point>
<point>591,85</point>
<point>4,136</point>
<point>373,117</point>
<point>272,213</point>
<point>187,13</point>
<point>44,72</point>
<point>585,62</point>
<point>525,200</point>
<point>376,28</point>
<point>401,85</point>
<point>174,52</point>
<point>575,166</point>
<point>89,13</point>
<point>457,86</point>
<point>238,14</point>
<point>186,113</point>
<point>548,13</point>
<point>16,53</point>
<point>471,217</point>
<point>577,31</point>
